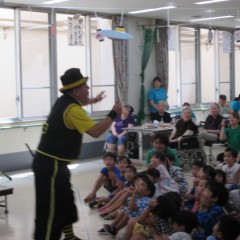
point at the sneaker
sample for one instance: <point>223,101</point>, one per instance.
<point>102,231</point>
<point>100,205</point>
<point>110,229</point>
<point>92,203</point>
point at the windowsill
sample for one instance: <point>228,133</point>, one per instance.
<point>17,123</point>
<point>202,107</point>
<point>37,122</point>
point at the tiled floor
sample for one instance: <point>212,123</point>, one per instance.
<point>19,222</point>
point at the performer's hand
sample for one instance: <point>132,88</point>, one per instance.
<point>100,96</point>
<point>117,108</point>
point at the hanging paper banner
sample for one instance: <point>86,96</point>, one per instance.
<point>172,39</point>
<point>227,39</point>
<point>75,31</point>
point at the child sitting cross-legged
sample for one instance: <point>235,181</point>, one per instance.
<point>109,176</point>
<point>122,163</point>
<point>183,223</point>
<point>213,198</point>
<point>136,200</point>
<point>108,212</point>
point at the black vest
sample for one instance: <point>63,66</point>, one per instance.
<point>57,140</point>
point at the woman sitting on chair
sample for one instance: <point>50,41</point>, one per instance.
<point>184,128</point>
<point>118,135</point>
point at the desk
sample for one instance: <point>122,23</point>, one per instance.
<point>140,130</point>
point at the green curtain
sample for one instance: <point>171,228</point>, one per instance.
<point>150,37</point>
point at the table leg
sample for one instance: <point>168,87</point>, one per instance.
<point>140,142</point>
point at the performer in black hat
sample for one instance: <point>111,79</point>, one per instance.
<point>60,145</point>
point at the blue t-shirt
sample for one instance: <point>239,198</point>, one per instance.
<point>116,170</point>
<point>157,95</point>
<point>207,220</point>
<point>235,106</point>
<point>123,123</point>
<point>140,202</point>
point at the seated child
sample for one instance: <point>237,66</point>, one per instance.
<point>227,228</point>
<point>198,194</point>
<point>220,176</point>
<point>190,196</point>
<point>136,198</point>
<point>158,215</point>
<point>207,172</point>
<point>153,174</point>
<point>213,198</point>
<point>122,163</point>
<point>183,224</point>
<point>177,174</point>
<point>165,183</point>
<point>108,177</point>
<point>115,203</point>
<point>231,168</point>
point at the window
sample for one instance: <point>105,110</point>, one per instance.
<point>35,64</point>
<point>102,66</point>
<point>207,50</point>
<point>26,83</point>
<point>237,72</point>
<point>188,64</point>
<point>224,68</point>
<point>7,65</point>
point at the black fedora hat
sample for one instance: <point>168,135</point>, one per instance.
<point>72,78</point>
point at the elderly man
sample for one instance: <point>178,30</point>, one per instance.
<point>60,144</point>
<point>211,129</point>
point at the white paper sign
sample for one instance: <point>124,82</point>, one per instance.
<point>75,32</point>
<point>227,39</point>
<point>172,39</point>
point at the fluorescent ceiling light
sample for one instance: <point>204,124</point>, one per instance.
<point>210,18</point>
<point>210,1</point>
<point>237,26</point>
<point>54,1</point>
<point>152,10</point>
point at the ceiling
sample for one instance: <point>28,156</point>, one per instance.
<point>185,11</point>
